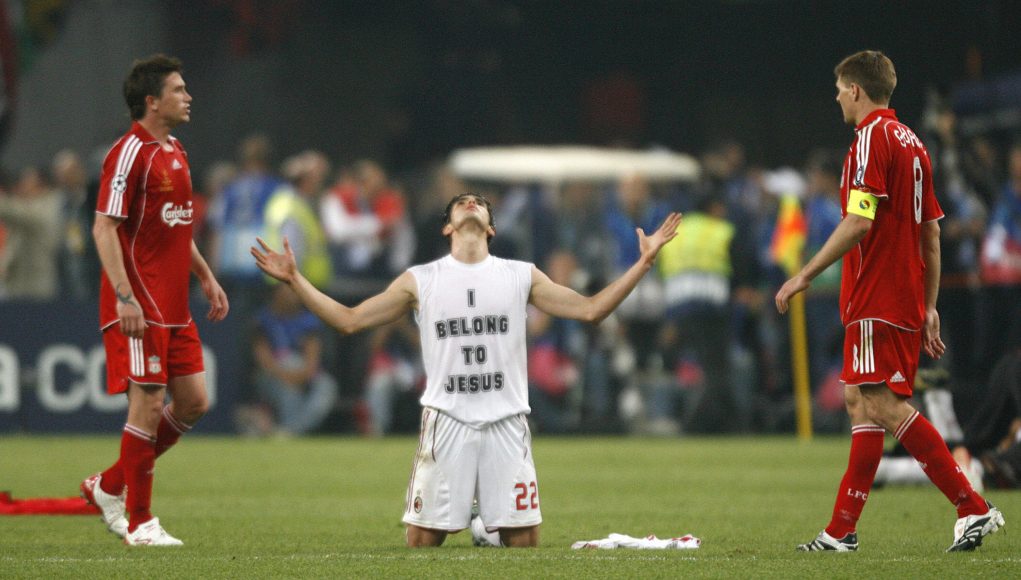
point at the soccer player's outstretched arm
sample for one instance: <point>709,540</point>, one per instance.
<point>558,300</point>
<point>383,308</point>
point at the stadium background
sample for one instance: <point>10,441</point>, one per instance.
<point>407,83</point>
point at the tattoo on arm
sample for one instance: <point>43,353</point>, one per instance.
<point>126,297</point>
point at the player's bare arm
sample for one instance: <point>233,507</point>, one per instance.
<point>558,300</point>
<point>848,234</point>
<point>383,308</point>
<point>218,304</point>
<point>129,311</point>
<point>932,343</point>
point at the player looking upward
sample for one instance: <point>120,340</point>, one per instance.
<point>470,309</point>
<point>143,233</point>
<point>889,240</point>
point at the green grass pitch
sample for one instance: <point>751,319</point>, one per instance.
<point>331,508</point>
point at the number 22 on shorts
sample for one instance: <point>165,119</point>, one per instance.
<point>528,496</point>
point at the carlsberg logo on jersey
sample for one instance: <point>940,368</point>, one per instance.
<point>174,215</point>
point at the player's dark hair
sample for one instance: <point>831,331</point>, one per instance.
<point>146,79</point>
<point>871,70</point>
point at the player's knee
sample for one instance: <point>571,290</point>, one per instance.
<point>520,537</point>
<point>151,410</point>
<point>855,405</point>
<point>424,538</point>
<point>191,410</point>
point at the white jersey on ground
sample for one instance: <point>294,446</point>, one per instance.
<point>471,318</point>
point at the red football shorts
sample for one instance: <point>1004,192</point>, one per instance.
<point>876,352</point>
<point>161,354</point>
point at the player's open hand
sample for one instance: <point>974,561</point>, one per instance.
<point>932,343</point>
<point>218,305</point>
<point>791,287</point>
<point>650,245</point>
<point>283,266</point>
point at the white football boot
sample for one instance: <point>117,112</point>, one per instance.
<point>151,533</point>
<point>111,506</point>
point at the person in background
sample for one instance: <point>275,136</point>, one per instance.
<point>288,352</point>
<point>367,223</point>
<point>697,272</point>
<point>638,361</point>
<point>556,351</point>
<point>236,217</point>
<point>993,435</point>
<point>289,214</point>
<point>31,215</point>
<point>394,372</point>
<point>215,180</point>
<point>1001,269</point>
<point>79,264</point>
<point>822,304</point>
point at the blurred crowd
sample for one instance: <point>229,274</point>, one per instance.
<point>697,348</point>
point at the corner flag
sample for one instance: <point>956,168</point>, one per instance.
<point>786,250</point>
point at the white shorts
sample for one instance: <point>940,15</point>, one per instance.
<point>456,463</point>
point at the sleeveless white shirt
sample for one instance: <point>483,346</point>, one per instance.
<point>471,319</point>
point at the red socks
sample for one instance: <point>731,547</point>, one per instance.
<point>115,477</point>
<point>138,458</point>
<point>866,451</point>
<point>170,430</point>
<point>926,445</point>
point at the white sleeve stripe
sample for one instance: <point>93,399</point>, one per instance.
<point>129,151</point>
<point>114,203</point>
<point>136,146</point>
<point>863,153</point>
<point>866,151</point>
<point>857,159</point>
<point>127,156</point>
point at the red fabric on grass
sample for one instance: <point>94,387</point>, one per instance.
<point>46,506</point>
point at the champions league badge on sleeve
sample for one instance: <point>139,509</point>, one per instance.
<point>119,184</point>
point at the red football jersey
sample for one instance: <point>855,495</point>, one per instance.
<point>150,188</point>
<point>883,276</point>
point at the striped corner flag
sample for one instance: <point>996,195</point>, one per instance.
<point>789,236</point>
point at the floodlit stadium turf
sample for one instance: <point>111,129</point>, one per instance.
<point>331,507</point>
